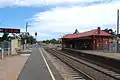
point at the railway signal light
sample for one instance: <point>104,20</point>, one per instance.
<point>36,34</point>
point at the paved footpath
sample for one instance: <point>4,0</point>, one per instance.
<point>10,67</point>
<point>36,69</point>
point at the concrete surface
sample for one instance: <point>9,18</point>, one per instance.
<point>101,53</point>
<point>11,66</point>
<point>36,69</point>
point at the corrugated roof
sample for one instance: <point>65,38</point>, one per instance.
<point>88,33</point>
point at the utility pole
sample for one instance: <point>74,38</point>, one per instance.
<point>26,26</point>
<point>26,34</point>
<point>117,30</point>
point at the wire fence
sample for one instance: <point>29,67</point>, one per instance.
<point>5,44</point>
<point>112,47</point>
<point>5,47</point>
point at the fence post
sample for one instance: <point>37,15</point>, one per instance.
<point>2,56</point>
<point>8,51</point>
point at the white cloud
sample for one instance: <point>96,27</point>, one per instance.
<point>63,20</point>
<point>68,19</point>
<point>4,3</point>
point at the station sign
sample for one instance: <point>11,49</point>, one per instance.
<point>9,30</point>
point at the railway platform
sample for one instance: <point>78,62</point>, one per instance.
<point>110,60</point>
<point>39,67</point>
<point>100,53</point>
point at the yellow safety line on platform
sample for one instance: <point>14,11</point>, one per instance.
<point>52,76</point>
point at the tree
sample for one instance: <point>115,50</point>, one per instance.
<point>109,31</point>
<point>5,36</point>
<point>43,41</point>
<point>47,41</point>
<point>76,31</point>
<point>30,39</point>
<point>53,41</point>
<point>26,36</point>
<point>10,38</point>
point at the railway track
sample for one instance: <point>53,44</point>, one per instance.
<point>76,73</point>
<point>109,63</point>
<point>87,70</point>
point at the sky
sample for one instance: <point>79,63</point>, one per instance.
<point>55,18</point>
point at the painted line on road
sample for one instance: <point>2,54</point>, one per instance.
<point>52,76</point>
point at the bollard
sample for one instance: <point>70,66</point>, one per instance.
<point>2,56</point>
<point>8,51</point>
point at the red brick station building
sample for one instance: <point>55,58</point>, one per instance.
<point>90,40</point>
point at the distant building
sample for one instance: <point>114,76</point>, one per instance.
<point>90,40</point>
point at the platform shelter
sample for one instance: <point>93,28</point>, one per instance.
<point>89,40</point>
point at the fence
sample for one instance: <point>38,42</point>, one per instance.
<point>5,44</point>
<point>112,47</point>
<point>4,53</point>
<point>5,47</point>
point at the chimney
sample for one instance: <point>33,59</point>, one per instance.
<point>98,30</point>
